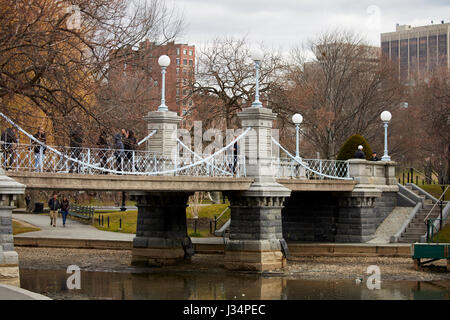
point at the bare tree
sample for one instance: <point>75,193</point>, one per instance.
<point>55,54</point>
<point>225,79</point>
<point>428,124</point>
<point>342,91</point>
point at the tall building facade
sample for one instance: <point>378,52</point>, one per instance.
<point>418,50</point>
<point>143,63</point>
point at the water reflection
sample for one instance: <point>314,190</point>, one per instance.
<point>128,286</point>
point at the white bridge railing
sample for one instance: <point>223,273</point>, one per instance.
<point>40,157</point>
<point>22,157</point>
<point>313,169</point>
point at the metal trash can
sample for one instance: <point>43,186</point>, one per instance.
<point>38,207</point>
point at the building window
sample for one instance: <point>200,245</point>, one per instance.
<point>190,63</point>
<point>155,83</point>
<point>184,112</point>
<point>185,62</point>
<point>190,52</point>
<point>184,102</point>
<point>178,70</point>
<point>185,92</point>
<point>178,51</point>
<point>178,92</point>
<point>178,61</point>
<point>184,51</point>
<point>190,102</point>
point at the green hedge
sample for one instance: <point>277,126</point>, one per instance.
<point>348,149</point>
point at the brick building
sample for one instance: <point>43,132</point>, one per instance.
<point>142,63</point>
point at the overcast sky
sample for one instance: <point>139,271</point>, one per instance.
<point>286,23</point>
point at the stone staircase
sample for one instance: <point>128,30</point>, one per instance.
<point>417,226</point>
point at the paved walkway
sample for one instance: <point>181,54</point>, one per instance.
<point>77,230</point>
<point>15,293</point>
<point>73,229</point>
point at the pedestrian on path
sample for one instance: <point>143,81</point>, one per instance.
<point>54,205</point>
<point>64,210</point>
<point>28,202</point>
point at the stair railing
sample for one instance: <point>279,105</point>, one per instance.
<point>439,200</point>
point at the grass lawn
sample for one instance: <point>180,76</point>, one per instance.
<point>129,219</point>
<point>435,190</point>
<point>444,234</point>
<point>19,227</point>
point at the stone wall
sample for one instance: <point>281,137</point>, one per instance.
<point>384,206</point>
<point>322,217</point>
<point>310,216</point>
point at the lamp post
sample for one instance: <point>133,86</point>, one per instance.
<point>257,56</point>
<point>297,120</point>
<point>385,117</point>
<point>164,62</point>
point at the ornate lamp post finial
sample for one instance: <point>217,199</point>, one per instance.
<point>164,62</point>
<point>297,120</point>
<point>385,117</point>
<point>257,56</point>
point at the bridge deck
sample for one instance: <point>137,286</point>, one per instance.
<point>111,182</point>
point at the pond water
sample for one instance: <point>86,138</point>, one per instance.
<point>193,286</point>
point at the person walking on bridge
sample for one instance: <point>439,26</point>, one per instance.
<point>76,143</point>
<point>118,152</point>
<point>129,145</point>
<point>54,205</point>
<point>9,139</point>
<point>103,146</point>
<point>39,150</point>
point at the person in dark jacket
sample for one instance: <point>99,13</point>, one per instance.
<point>118,152</point>
<point>64,210</point>
<point>374,157</point>
<point>359,154</point>
<point>39,150</point>
<point>129,145</point>
<point>76,143</point>
<point>102,145</point>
<point>54,205</point>
<point>9,139</point>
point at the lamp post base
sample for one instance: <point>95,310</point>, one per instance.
<point>385,158</point>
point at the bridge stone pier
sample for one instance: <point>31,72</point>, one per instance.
<point>9,260</point>
<point>256,227</point>
<point>161,228</point>
<point>161,225</point>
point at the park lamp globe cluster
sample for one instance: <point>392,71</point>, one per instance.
<point>297,119</point>
<point>385,117</point>
<point>164,62</point>
<point>257,56</point>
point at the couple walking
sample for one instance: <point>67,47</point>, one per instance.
<point>125,143</point>
<point>54,206</point>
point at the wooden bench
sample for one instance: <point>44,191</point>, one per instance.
<point>85,213</point>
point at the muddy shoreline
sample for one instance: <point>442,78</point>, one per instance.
<point>306,268</point>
